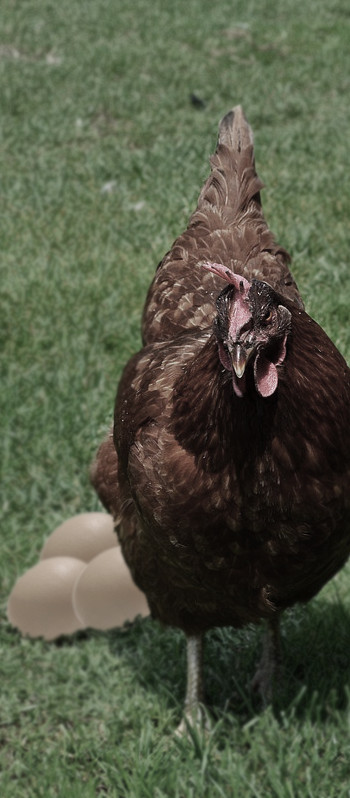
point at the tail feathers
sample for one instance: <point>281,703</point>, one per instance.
<point>229,213</point>
<point>227,228</point>
<point>234,131</point>
<point>233,182</point>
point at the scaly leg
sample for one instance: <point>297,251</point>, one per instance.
<point>194,689</point>
<point>269,665</point>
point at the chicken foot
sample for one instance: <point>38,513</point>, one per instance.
<point>193,709</point>
<point>268,670</point>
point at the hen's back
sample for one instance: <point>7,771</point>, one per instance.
<point>227,227</point>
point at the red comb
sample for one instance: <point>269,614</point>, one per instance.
<point>240,283</point>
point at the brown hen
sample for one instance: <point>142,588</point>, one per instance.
<point>228,469</point>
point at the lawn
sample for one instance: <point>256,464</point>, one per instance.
<point>103,153</point>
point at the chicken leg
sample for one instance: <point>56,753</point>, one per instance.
<point>193,712</point>
<point>269,666</point>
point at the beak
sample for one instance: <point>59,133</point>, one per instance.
<point>239,359</point>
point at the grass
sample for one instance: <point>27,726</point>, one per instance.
<point>102,158</point>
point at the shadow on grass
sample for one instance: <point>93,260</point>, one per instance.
<point>316,662</point>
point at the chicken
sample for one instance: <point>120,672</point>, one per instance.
<point>228,467</point>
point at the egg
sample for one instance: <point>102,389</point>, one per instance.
<point>104,595</point>
<point>82,536</point>
<point>40,603</point>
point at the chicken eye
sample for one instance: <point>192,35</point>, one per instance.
<point>267,318</point>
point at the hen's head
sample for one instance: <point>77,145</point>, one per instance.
<point>252,329</point>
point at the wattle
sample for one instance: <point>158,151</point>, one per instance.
<point>265,376</point>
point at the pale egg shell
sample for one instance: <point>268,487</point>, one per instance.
<point>105,596</point>
<point>40,603</point>
<point>82,536</point>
